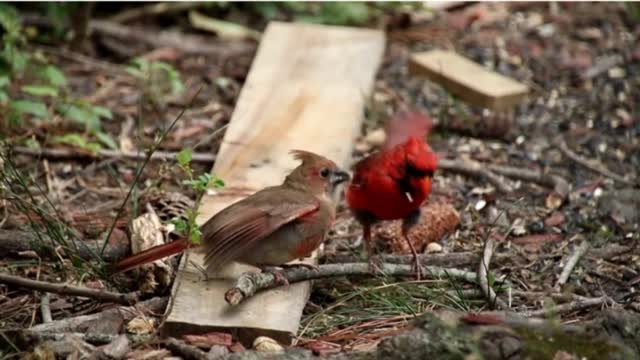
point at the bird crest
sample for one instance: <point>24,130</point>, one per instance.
<point>306,156</point>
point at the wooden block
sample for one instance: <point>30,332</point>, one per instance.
<point>306,90</point>
<point>468,80</point>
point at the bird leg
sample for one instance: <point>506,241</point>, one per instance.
<point>374,262</point>
<point>407,224</point>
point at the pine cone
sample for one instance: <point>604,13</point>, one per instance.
<point>436,220</point>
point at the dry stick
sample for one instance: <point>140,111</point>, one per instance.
<point>154,9</point>
<point>466,258</point>
<point>571,263</point>
<point>483,276</point>
<point>96,321</point>
<point>564,148</point>
<point>190,44</point>
<point>473,168</point>
<point>187,351</point>
<point>45,309</point>
<point>579,304</point>
<point>73,154</point>
<point>560,185</point>
<point>251,282</point>
<point>66,289</point>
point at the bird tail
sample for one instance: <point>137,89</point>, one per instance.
<point>405,124</point>
<point>151,255</point>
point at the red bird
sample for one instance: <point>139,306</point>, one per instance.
<point>275,225</point>
<point>394,182</point>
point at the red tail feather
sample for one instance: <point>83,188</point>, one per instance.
<point>151,255</point>
<point>405,124</point>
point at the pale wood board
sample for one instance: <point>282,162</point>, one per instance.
<point>306,89</point>
<point>467,79</point>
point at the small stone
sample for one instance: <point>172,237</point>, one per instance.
<point>518,227</point>
<point>434,247</point>
<point>376,137</point>
<point>480,204</point>
<point>553,200</point>
<point>267,345</point>
<point>616,73</point>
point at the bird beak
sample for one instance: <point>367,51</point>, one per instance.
<point>338,177</point>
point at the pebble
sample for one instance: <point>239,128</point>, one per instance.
<point>434,247</point>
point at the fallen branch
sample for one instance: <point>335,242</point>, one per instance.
<point>108,321</point>
<point>163,8</point>
<point>16,242</point>
<point>475,169</point>
<point>66,289</point>
<point>92,338</point>
<point>558,184</point>
<point>251,282</point>
<point>76,154</point>
<point>571,263</point>
<point>467,258</point>
<point>483,276</point>
<point>566,151</point>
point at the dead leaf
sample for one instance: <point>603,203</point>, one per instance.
<point>209,339</point>
<point>536,241</point>
<point>555,219</point>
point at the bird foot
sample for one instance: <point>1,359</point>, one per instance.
<point>303,265</point>
<point>279,279</point>
<point>375,265</point>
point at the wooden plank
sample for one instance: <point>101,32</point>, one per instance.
<point>306,90</point>
<point>468,80</point>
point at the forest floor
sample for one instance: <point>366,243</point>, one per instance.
<point>580,127</point>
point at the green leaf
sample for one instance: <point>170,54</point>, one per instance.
<point>102,112</point>
<point>80,115</point>
<point>135,72</point>
<point>34,108</point>
<point>106,139</point>
<point>40,90</point>
<point>54,76</point>
<point>180,225</point>
<point>78,140</point>
<point>32,143</point>
<point>184,157</point>
<point>4,98</point>
<point>4,80</point>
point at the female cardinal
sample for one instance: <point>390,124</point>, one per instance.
<point>269,228</point>
<point>394,182</point>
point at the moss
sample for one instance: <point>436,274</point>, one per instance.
<point>546,342</point>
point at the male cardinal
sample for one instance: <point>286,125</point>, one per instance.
<point>269,228</point>
<point>394,182</point>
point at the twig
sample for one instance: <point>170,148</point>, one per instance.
<point>74,154</point>
<point>251,282</point>
<point>154,9</point>
<point>187,351</point>
<point>560,185</point>
<point>572,261</point>
<point>602,66</point>
<point>473,168</point>
<point>190,44</point>
<point>580,304</point>
<point>91,338</point>
<point>566,151</point>
<point>483,276</point>
<point>66,289</point>
<point>45,309</point>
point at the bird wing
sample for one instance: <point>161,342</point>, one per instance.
<point>239,227</point>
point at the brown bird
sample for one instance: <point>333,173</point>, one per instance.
<point>269,228</point>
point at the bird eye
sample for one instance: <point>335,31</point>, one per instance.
<point>324,172</point>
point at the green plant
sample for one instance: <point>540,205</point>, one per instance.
<point>200,185</point>
<point>158,79</point>
<point>33,89</point>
